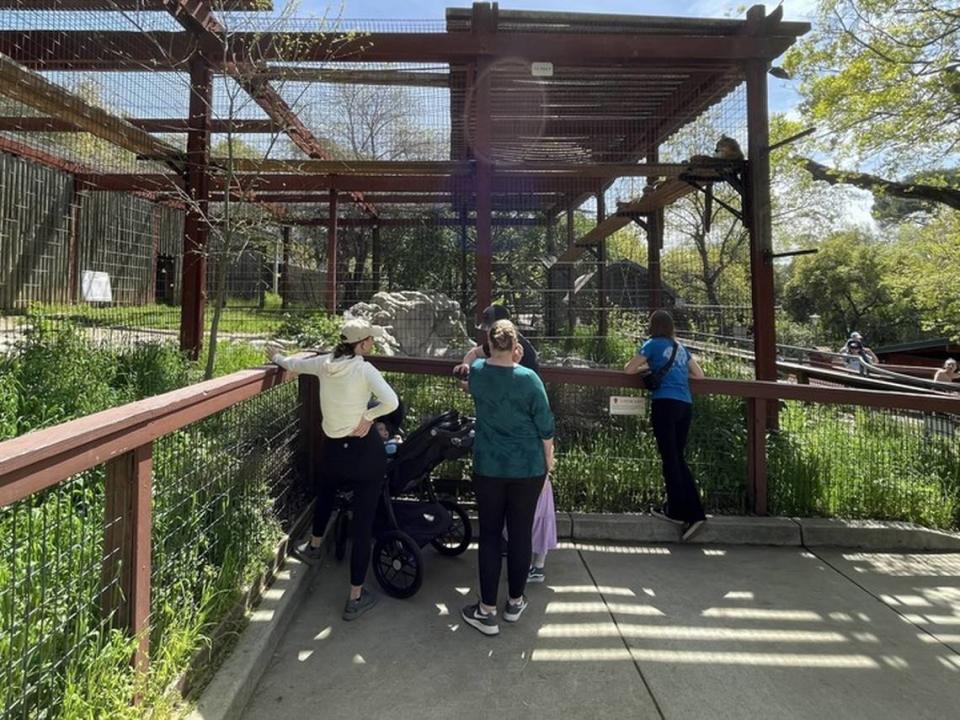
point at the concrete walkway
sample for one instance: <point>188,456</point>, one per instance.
<point>622,631</point>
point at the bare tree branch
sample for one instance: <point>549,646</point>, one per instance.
<point>909,191</point>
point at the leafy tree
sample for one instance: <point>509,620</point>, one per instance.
<point>927,259</point>
<point>847,283</point>
<point>882,77</point>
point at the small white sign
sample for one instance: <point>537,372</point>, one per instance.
<point>628,405</point>
<point>95,286</point>
<point>541,69</point>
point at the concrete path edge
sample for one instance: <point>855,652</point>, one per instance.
<point>235,681</point>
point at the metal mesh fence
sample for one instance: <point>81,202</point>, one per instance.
<point>52,589</point>
<point>224,490</point>
<point>824,460</point>
<point>845,461</point>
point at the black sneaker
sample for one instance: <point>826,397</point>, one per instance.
<point>692,529</point>
<point>356,608</point>
<point>513,611</point>
<point>662,515</point>
<point>536,575</point>
<point>484,622</point>
<point>308,553</point>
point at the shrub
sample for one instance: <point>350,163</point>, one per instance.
<point>318,329</point>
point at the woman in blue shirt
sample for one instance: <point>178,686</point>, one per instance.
<point>512,454</point>
<point>670,415</point>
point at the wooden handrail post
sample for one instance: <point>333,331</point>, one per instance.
<point>125,572</point>
<point>310,432</point>
<point>757,455</point>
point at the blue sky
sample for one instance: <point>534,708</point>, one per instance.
<point>782,96</point>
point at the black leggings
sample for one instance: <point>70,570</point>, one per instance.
<point>671,425</point>
<point>513,500</point>
<point>357,464</point>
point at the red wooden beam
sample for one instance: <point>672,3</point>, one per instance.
<point>197,16</point>
<point>423,221</point>
<point>28,152</point>
<point>76,50</point>
<point>517,184</point>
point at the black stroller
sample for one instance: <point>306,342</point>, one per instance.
<point>411,515</point>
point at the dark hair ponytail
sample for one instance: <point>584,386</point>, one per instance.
<point>345,349</point>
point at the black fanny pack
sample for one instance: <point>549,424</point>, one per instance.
<point>652,381</point>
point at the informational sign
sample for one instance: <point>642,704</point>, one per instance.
<point>95,286</point>
<point>628,405</point>
<point>541,69</point>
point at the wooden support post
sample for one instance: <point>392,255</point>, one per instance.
<point>484,199</point>
<point>571,279</point>
<point>654,246</point>
<point>125,571</point>
<point>332,254</point>
<point>757,455</point>
<point>484,28</point>
<point>377,252</point>
<point>196,221</point>
<point>758,216</point>
<point>602,319</point>
<point>311,436</point>
<point>464,264</point>
<point>285,275</point>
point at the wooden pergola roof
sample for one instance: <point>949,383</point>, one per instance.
<point>608,90</point>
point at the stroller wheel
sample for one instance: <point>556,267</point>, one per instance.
<point>397,564</point>
<point>341,531</point>
<point>457,539</point>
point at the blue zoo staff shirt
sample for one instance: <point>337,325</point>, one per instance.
<point>676,383</point>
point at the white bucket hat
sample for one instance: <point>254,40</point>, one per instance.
<point>355,330</point>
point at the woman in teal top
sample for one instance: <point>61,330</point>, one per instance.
<point>671,413</point>
<point>512,453</point>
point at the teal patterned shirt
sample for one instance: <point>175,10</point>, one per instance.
<point>513,420</point>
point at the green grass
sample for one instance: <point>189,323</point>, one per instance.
<point>214,522</point>
<point>238,318</point>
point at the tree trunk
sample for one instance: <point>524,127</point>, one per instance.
<point>220,297</point>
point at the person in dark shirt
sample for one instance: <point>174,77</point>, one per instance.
<point>526,354</point>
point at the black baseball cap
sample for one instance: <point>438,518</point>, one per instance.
<point>491,315</point>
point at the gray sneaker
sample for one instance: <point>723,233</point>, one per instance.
<point>692,529</point>
<point>308,553</point>
<point>484,622</point>
<point>356,608</point>
<point>513,611</point>
<point>536,575</point>
<point>662,515</point>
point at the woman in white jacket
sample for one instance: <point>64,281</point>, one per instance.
<point>353,456</point>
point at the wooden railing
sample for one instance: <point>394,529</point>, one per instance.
<point>122,438</point>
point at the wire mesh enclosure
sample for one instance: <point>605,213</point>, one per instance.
<point>225,490</point>
<point>298,166</point>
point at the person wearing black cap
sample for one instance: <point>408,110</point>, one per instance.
<point>527,354</point>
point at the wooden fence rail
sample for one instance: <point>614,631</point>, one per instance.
<point>122,439</point>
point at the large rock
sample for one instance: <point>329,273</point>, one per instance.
<point>420,324</point>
